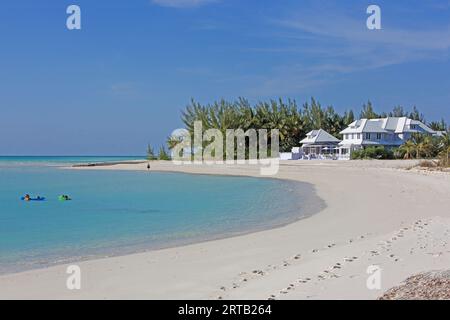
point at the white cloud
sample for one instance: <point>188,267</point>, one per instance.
<point>182,3</point>
<point>337,44</point>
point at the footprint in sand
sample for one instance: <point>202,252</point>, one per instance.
<point>374,253</point>
<point>347,259</point>
<point>301,280</point>
<point>258,272</point>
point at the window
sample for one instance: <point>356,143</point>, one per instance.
<point>353,136</point>
<point>367,136</point>
<point>359,136</point>
<point>378,136</point>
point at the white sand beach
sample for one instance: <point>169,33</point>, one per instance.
<point>377,214</point>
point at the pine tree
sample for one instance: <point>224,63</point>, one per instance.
<point>163,155</point>
<point>150,153</point>
<point>368,112</point>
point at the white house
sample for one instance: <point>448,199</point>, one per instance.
<point>319,143</point>
<point>388,132</point>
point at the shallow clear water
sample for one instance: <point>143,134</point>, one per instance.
<point>11,161</point>
<point>117,212</point>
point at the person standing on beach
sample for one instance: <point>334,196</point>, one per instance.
<point>148,166</point>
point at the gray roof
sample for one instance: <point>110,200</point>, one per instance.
<point>391,123</point>
<point>319,137</point>
<point>375,125</point>
<point>387,125</point>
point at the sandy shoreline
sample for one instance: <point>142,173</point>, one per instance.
<point>376,215</point>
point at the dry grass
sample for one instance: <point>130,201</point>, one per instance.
<point>428,164</point>
<point>433,285</point>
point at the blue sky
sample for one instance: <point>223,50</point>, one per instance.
<point>121,81</point>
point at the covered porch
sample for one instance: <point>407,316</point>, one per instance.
<point>345,150</point>
<point>320,151</point>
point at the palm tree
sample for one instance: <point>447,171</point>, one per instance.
<point>419,144</point>
<point>438,126</point>
<point>293,122</point>
<point>409,149</point>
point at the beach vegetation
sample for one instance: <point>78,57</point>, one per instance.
<point>428,164</point>
<point>426,147</point>
<point>163,154</point>
<point>151,153</point>
<point>444,150</point>
<point>373,152</point>
<point>294,121</point>
<point>291,120</point>
<point>368,111</point>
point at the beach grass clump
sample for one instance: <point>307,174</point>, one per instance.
<point>428,164</point>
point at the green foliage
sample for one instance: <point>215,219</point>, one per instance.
<point>294,122</point>
<point>438,126</point>
<point>368,112</point>
<point>357,154</point>
<point>150,153</point>
<point>426,147</point>
<point>398,112</point>
<point>163,155</point>
<point>416,115</point>
<point>373,152</point>
<point>444,150</point>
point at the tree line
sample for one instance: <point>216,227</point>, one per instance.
<point>292,120</point>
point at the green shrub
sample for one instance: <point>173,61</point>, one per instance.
<point>374,152</point>
<point>370,153</point>
<point>163,155</point>
<point>357,154</point>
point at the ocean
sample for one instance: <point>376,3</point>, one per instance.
<point>121,212</point>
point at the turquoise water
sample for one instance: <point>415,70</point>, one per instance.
<point>8,161</point>
<point>119,212</point>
